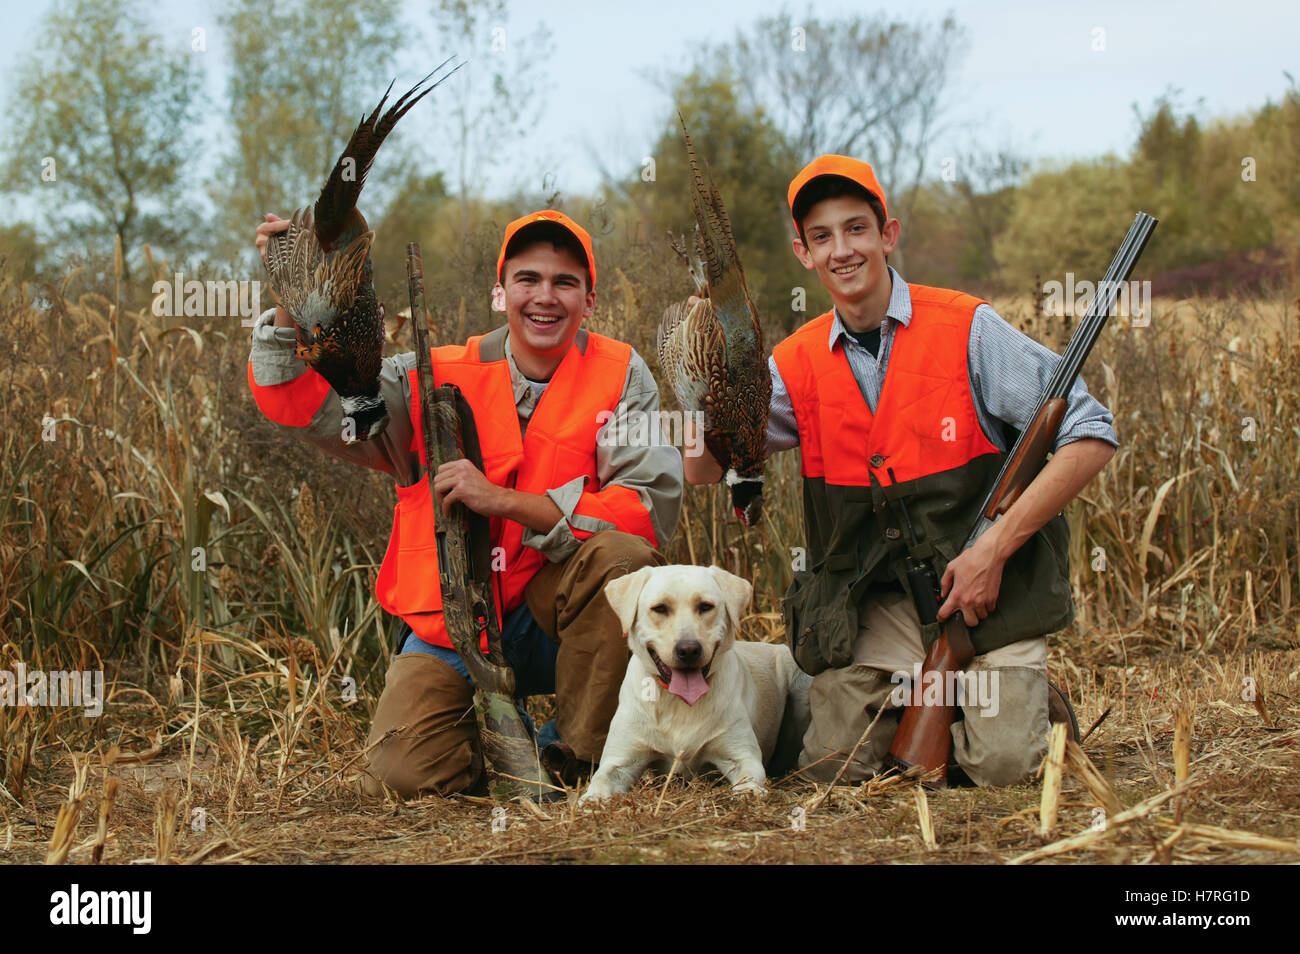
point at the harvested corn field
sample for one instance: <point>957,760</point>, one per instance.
<point>237,698</point>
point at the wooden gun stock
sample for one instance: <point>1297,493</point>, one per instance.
<point>1027,459</point>
<point>923,741</point>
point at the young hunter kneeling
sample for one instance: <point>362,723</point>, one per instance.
<point>568,511</point>
<point>928,384</point>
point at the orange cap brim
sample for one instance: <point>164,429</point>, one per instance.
<point>548,215</point>
<point>855,170</point>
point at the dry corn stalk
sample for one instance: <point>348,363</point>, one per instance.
<point>1113,824</point>
<point>1083,769</point>
<point>1262,708</point>
<point>21,760</point>
<point>923,816</point>
<point>1182,740</point>
<point>1053,769</point>
<point>165,825</point>
<point>1164,852</point>
<point>105,809</point>
<point>65,826</point>
<point>1231,838</point>
<point>667,782</point>
<point>1182,752</point>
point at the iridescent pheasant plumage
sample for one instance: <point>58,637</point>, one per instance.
<point>320,270</point>
<point>712,352</point>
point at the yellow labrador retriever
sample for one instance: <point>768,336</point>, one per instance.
<point>692,692</point>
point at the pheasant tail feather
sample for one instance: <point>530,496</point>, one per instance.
<point>339,197</point>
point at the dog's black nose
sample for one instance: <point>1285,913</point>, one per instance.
<point>688,652</point>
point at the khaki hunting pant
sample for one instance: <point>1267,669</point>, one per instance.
<point>438,750</point>
<point>998,749</point>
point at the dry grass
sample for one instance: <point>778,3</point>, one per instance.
<point>1237,804</point>
<point>226,685</point>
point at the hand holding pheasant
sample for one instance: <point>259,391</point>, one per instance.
<point>320,270</point>
<point>711,350</point>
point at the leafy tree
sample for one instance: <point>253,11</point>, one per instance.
<point>953,224</point>
<point>982,195</point>
<point>1189,178</point>
<point>302,74</point>
<point>864,86</point>
<point>21,254</point>
<point>1167,147</point>
<point>409,218</point>
<point>743,151</point>
<point>492,97</point>
<point>1066,219</point>
<point>1273,140</point>
<point>102,121</point>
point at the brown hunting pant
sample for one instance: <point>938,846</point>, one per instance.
<point>438,750</point>
<point>998,744</point>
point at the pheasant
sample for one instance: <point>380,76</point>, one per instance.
<point>320,270</point>
<point>712,352</point>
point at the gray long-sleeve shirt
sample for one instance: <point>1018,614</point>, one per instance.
<point>653,471</point>
<point>1008,372</point>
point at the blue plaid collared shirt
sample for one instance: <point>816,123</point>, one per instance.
<point>1008,372</point>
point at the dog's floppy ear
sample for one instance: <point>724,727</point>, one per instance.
<point>736,592</point>
<point>623,593</point>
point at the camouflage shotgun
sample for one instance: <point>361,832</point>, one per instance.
<point>923,740</point>
<point>464,569</point>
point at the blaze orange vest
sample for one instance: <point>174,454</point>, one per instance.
<point>559,445</point>
<point>926,429</point>
<point>925,420</point>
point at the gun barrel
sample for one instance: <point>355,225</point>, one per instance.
<point>1121,268</point>
<point>1077,351</point>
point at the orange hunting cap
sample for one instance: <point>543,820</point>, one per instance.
<point>549,215</point>
<point>855,170</point>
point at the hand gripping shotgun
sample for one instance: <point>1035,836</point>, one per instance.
<point>923,741</point>
<point>465,573</point>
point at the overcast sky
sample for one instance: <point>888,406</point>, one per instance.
<point>1030,78</point>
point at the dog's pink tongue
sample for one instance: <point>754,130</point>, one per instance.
<point>688,684</point>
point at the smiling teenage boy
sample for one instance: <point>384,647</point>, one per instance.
<point>568,512</point>
<point>932,385</point>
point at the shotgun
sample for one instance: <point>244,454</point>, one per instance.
<point>465,574</point>
<point>923,741</point>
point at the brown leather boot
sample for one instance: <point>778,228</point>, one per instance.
<point>1060,710</point>
<point>567,769</point>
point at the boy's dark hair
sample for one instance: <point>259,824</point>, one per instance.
<point>833,187</point>
<point>553,234</point>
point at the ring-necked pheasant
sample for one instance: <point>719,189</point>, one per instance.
<point>712,351</point>
<point>320,271</point>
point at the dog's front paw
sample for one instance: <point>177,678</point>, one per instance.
<point>596,794</point>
